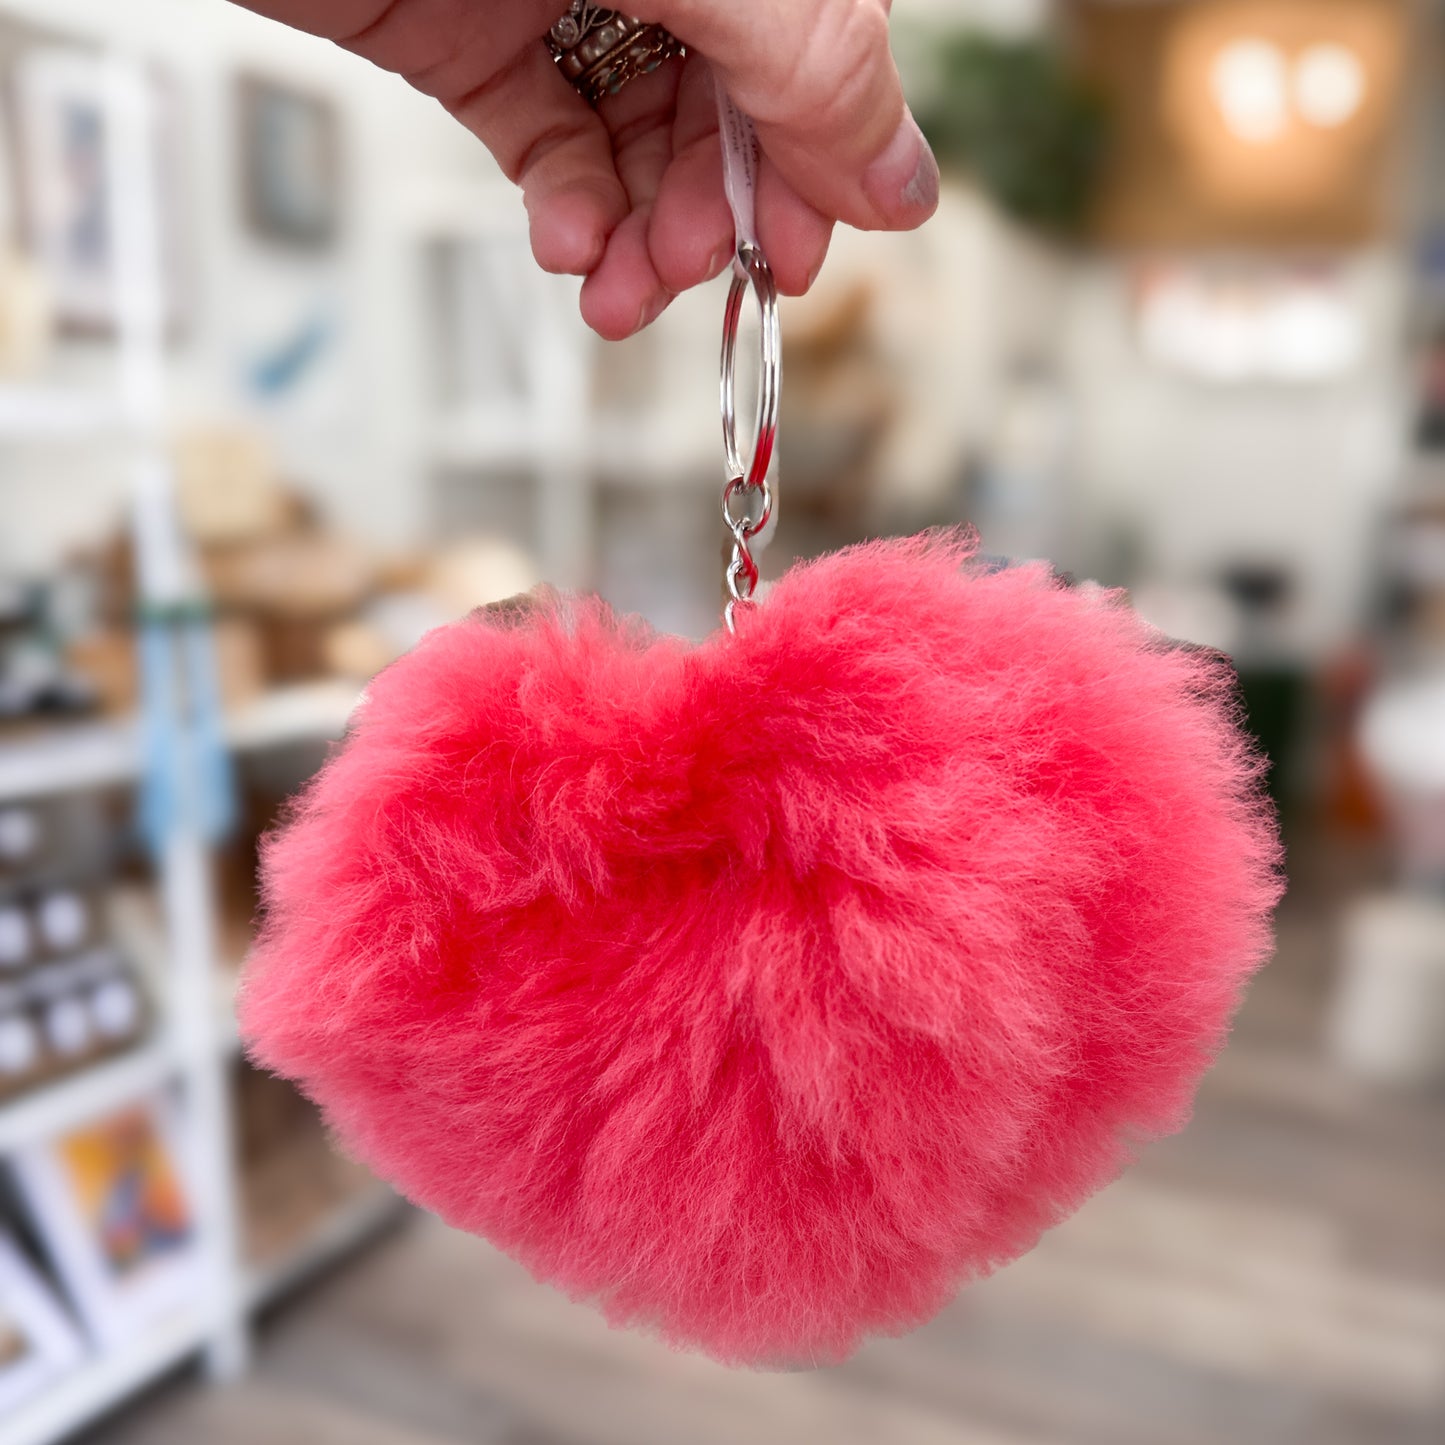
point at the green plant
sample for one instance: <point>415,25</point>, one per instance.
<point>1017,118</point>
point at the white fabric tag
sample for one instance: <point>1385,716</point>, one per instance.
<point>741,154</point>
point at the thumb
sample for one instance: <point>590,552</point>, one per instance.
<point>818,79</point>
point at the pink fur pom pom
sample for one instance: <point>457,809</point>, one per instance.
<point>764,992</point>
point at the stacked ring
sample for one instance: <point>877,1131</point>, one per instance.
<point>600,51</point>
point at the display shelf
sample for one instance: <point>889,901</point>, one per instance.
<point>46,413</point>
<point>135,920</point>
<point>68,1103</point>
<point>103,1382</point>
<point>474,438</point>
<point>663,453</point>
<point>348,1227</point>
<point>228,1034</point>
<point>68,756</point>
<point>304,712</point>
<point>73,756</point>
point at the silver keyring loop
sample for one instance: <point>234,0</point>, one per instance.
<point>758,278</point>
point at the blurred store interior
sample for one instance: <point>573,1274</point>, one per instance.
<point>1179,326</point>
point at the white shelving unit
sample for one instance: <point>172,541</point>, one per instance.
<point>102,1382</point>
<point>40,413</point>
<point>74,1101</point>
<point>108,754</point>
<point>193,1046</point>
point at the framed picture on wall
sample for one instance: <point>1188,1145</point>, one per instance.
<point>38,1343</point>
<point>67,204</point>
<point>290,164</point>
<point>112,1206</point>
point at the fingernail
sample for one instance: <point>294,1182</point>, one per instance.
<point>903,181</point>
<point>719,260</point>
<point>652,309</point>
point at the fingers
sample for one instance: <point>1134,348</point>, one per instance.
<point>331,19</point>
<point>633,198</point>
<point>625,293</point>
<point>819,80</point>
<point>691,235</point>
<point>497,77</point>
<point>794,236</point>
<point>407,35</point>
<point>680,233</point>
<point>547,139</point>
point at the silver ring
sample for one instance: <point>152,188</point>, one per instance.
<point>758,276</point>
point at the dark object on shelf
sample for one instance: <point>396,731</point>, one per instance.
<point>35,680</point>
<point>1022,123</point>
<point>1258,587</point>
<point>69,996</point>
<point>290,164</point>
<point>57,1017</point>
<point>1273,687</point>
<point>1430,426</point>
<point>1274,697</point>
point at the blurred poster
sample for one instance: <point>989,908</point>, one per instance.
<point>111,1204</point>
<point>290,164</point>
<point>66,200</point>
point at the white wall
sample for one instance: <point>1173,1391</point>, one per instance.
<point>1208,473</point>
<point>956,304</point>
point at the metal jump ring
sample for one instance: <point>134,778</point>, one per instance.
<point>744,528</point>
<point>758,276</point>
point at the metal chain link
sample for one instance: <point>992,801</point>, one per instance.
<point>742,573</point>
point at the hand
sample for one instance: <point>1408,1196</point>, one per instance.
<point>631,196</point>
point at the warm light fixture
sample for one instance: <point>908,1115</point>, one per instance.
<point>1270,122</point>
<point>1329,85</point>
<point>1250,81</point>
<point>1258,92</point>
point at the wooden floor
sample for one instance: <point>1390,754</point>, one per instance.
<point>1276,1274</point>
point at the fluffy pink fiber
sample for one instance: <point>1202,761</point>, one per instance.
<point>765,991</point>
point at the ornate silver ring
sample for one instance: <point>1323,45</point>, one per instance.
<point>600,50</point>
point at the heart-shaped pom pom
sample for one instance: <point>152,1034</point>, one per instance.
<point>765,991</point>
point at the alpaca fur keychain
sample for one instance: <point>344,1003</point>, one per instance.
<point>766,991</point>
